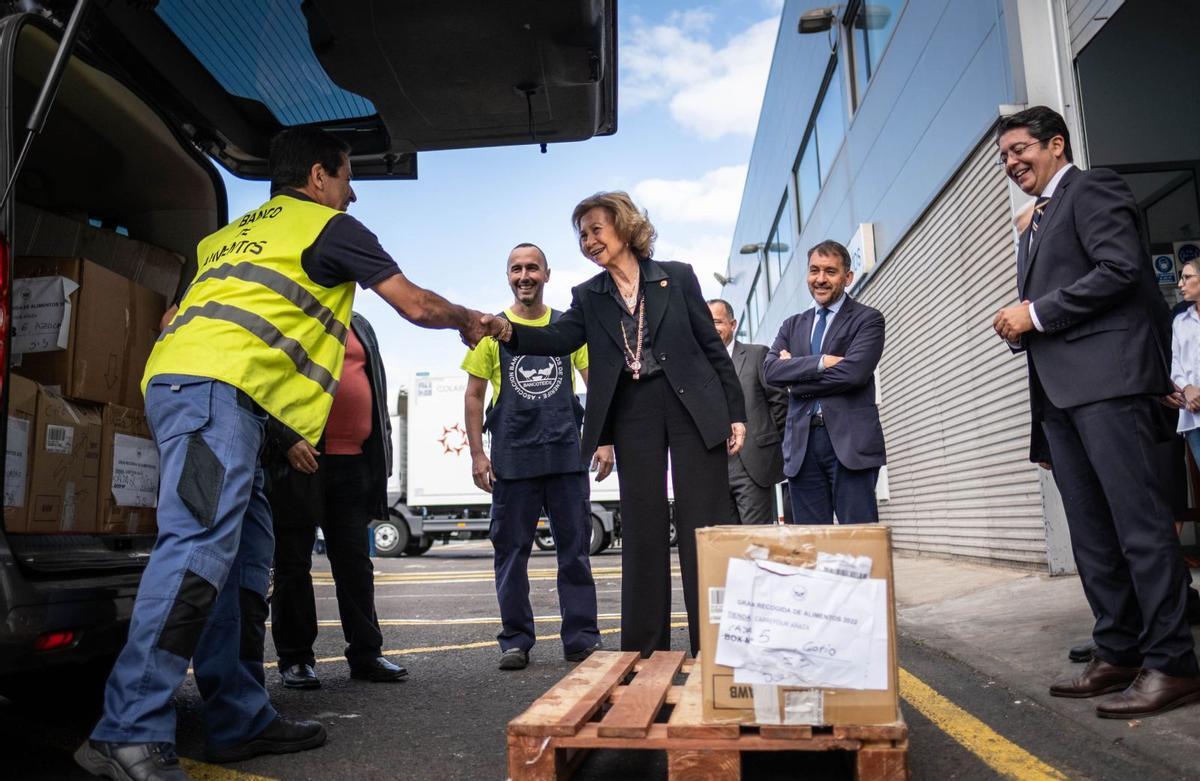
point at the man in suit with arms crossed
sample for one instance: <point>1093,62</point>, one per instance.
<point>826,357</point>
<point>1096,333</point>
<point>758,466</point>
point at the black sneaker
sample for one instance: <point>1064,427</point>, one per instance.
<point>131,761</point>
<point>281,736</point>
<point>514,659</point>
<point>580,655</point>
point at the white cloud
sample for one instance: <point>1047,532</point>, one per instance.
<point>707,253</point>
<point>711,91</point>
<point>713,199</point>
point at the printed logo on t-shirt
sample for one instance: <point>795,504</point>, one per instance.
<point>535,377</point>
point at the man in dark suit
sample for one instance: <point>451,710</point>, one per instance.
<point>826,357</point>
<point>758,467</point>
<point>1096,335</point>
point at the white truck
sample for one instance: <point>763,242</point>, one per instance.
<point>431,493</point>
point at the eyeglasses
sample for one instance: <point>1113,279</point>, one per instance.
<point>1016,150</point>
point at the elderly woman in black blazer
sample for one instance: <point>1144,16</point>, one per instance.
<point>661,382</point>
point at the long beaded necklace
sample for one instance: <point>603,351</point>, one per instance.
<point>633,358</point>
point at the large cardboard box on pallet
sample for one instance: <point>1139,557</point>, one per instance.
<point>22,414</point>
<point>727,701</point>
<point>128,473</point>
<point>82,329</point>
<point>66,466</point>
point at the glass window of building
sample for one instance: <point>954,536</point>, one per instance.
<point>871,23</point>
<point>742,334</point>
<point>779,246</point>
<point>808,179</point>
<point>751,323</point>
<point>831,123</point>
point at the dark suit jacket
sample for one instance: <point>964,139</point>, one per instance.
<point>846,391</point>
<point>766,415</point>
<point>1108,330</point>
<point>685,343</point>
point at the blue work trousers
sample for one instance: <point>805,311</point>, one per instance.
<point>516,507</point>
<point>203,594</point>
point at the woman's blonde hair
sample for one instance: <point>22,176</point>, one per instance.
<point>631,223</point>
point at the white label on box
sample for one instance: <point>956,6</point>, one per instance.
<point>766,703</point>
<point>793,626</point>
<point>135,471</point>
<point>60,439</point>
<point>806,706</point>
<point>41,313</point>
<point>844,564</point>
<point>716,603</point>
<point>16,462</point>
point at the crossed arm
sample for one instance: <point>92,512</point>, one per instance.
<point>802,377</point>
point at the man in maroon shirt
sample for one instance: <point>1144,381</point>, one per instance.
<point>339,485</point>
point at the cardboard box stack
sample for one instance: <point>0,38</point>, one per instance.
<point>83,330</point>
<point>81,335</point>
<point>806,615</point>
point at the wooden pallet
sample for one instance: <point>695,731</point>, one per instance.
<point>616,700</point>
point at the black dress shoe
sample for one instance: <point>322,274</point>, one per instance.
<point>378,670</point>
<point>1082,652</point>
<point>1099,677</point>
<point>131,761</point>
<point>580,655</point>
<point>300,676</point>
<point>1153,692</point>
<point>281,736</point>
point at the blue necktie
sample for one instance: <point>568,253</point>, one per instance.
<point>814,348</point>
<point>818,333</point>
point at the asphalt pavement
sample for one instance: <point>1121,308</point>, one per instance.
<point>447,721</point>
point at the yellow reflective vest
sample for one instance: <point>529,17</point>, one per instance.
<point>254,319</point>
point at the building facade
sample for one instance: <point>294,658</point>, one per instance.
<point>877,130</point>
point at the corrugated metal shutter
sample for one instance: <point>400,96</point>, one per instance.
<point>1086,17</point>
<point>954,401</point>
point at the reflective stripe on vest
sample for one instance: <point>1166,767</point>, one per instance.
<point>252,317</point>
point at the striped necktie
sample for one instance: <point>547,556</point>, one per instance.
<point>1039,209</point>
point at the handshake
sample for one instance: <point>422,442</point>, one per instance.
<point>476,325</point>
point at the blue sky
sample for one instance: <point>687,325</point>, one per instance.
<point>689,88</point>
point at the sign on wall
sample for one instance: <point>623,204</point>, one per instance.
<point>1164,269</point>
<point>862,253</point>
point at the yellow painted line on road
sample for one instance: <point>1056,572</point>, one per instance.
<point>464,621</point>
<point>465,572</point>
<point>326,579</point>
<point>997,752</point>
<point>201,771</point>
<point>432,649</point>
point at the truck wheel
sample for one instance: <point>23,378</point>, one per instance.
<point>391,537</point>
<point>600,539</point>
<point>674,535</point>
<point>544,541</point>
<point>419,546</point>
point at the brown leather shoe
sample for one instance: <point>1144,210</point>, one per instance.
<point>1099,677</point>
<point>1151,693</point>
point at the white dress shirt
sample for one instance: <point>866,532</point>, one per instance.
<point>1051,186</point>
<point>1185,360</point>
<point>729,347</point>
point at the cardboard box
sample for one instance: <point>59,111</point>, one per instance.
<point>105,322</point>
<point>726,701</point>
<point>22,414</point>
<point>128,473</point>
<point>66,466</point>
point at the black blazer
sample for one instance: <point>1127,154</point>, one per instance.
<point>301,494</point>
<point>846,391</point>
<point>686,344</point>
<point>1108,330</point>
<point>766,414</point>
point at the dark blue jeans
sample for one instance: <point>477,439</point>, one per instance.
<point>516,506</point>
<point>203,594</point>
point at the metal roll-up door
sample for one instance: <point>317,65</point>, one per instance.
<point>1086,17</point>
<point>953,400</point>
